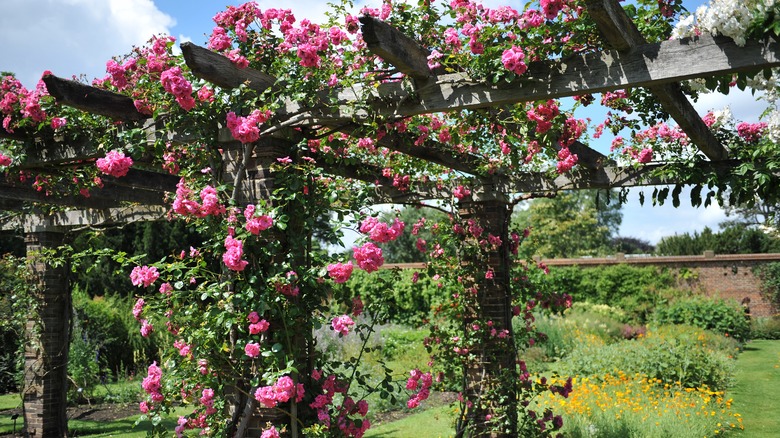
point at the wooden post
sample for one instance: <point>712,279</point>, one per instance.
<point>47,339</point>
<point>496,368</point>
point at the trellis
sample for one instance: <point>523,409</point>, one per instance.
<point>629,61</point>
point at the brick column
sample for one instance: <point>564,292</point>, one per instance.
<point>496,367</point>
<point>47,340</point>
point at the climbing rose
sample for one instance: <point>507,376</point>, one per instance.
<point>368,257</point>
<point>252,349</point>
<point>247,129</point>
<point>144,275</point>
<point>270,433</point>
<point>340,272</point>
<point>342,324</point>
<point>232,257</point>
<point>5,160</point>
<point>146,328</point>
<point>58,122</point>
<point>115,164</point>
<point>379,231</point>
<point>259,327</point>
<point>174,82</point>
<point>512,59</point>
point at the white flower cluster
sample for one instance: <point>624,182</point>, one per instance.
<point>729,18</point>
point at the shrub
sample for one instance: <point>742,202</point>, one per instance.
<point>716,315</point>
<point>769,274</point>
<point>765,328</point>
<point>691,356</point>
<point>636,289</point>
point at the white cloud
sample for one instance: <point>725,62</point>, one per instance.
<point>71,37</point>
<point>743,104</point>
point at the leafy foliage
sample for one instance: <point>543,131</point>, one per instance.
<point>716,315</point>
<point>769,274</point>
<point>733,239</point>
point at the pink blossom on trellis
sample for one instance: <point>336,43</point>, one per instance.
<point>252,349</point>
<point>173,82</point>
<point>256,224</point>
<point>566,160</point>
<point>280,392</point>
<point>58,122</point>
<point>368,257</point>
<point>512,58</point>
<point>551,8</point>
<point>219,39</point>
<point>166,289</point>
<point>138,309</point>
<point>203,366</point>
<point>342,324</point>
<point>416,379</point>
<point>645,156</point>
<point>152,382</point>
<point>185,349</point>
<point>287,285</point>
<point>232,258</point>
<point>340,272</point>
<point>247,129</point>
<point>461,192</point>
<point>211,205</point>
<point>751,132</point>
<point>205,94</point>
<point>207,399</point>
<point>543,115</point>
<point>146,328</point>
<point>258,327</point>
<point>115,163</point>
<point>270,433</point>
<point>357,306</point>
<point>144,275</point>
<point>379,231</point>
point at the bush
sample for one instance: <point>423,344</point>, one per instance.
<point>691,356</point>
<point>717,315</point>
<point>765,328</point>
<point>769,274</point>
<point>635,289</point>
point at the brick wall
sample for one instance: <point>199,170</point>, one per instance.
<point>726,276</point>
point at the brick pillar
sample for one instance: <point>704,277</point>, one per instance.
<point>47,340</point>
<point>496,368</point>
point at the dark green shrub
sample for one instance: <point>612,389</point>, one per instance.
<point>15,304</point>
<point>717,315</point>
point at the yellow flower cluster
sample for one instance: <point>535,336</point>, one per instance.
<point>647,403</point>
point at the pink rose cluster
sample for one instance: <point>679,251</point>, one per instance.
<point>256,224</point>
<point>207,400</point>
<point>512,58</point>
<point>418,380</point>
<point>257,325</point>
<point>115,163</point>
<point>174,82</point>
<point>144,275</point>
<point>151,383</point>
<point>185,206</point>
<point>247,129</point>
<point>566,160</point>
<point>340,272</point>
<point>368,257</point>
<point>380,232</point>
<point>234,251</point>
<point>342,324</point>
<point>751,132</point>
<point>146,326</point>
<point>280,392</point>
<point>543,115</point>
<point>347,411</point>
<point>5,160</point>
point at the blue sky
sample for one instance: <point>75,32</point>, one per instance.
<point>71,37</point>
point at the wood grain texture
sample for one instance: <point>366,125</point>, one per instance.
<point>91,99</point>
<point>393,46</point>
<point>219,70</point>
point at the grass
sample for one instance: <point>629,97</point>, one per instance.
<point>433,422</point>
<point>755,392</point>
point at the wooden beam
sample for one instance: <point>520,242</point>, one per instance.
<point>109,196</point>
<point>93,100</point>
<point>644,66</point>
<point>393,46</point>
<point>621,33</point>
<point>87,217</point>
<point>219,70</point>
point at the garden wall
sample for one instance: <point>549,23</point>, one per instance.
<point>728,276</point>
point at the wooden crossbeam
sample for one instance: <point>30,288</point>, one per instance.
<point>643,66</point>
<point>219,70</point>
<point>85,217</point>
<point>621,33</point>
<point>108,196</point>
<point>92,99</point>
<point>393,46</point>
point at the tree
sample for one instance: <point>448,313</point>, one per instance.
<point>572,224</point>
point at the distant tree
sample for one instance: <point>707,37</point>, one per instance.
<point>404,249</point>
<point>632,245</point>
<point>759,213</point>
<point>572,224</point>
<point>733,239</point>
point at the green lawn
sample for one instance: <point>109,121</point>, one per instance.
<point>433,422</point>
<point>756,390</point>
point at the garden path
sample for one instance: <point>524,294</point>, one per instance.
<point>756,390</point>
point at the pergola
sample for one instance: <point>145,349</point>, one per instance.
<point>628,61</point>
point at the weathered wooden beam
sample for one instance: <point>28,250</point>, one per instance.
<point>86,217</point>
<point>644,66</point>
<point>588,157</point>
<point>91,99</point>
<point>109,196</point>
<point>145,180</point>
<point>621,33</point>
<point>393,46</point>
<point>219,70</point>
